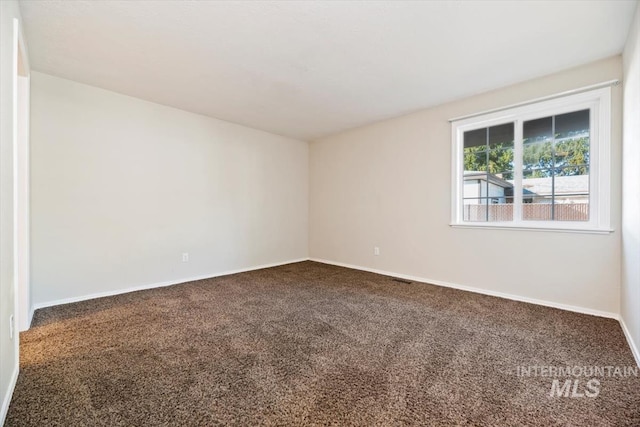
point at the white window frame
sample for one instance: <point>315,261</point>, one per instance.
<point>598,101</point>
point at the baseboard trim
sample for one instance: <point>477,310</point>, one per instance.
<point>7,398</point>
<point>632,344</point>
<point>513,297</point>
<point>158,285</point>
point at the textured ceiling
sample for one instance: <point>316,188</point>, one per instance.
<point>310,69</point>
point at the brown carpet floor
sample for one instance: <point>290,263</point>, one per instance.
<point>312,344</point>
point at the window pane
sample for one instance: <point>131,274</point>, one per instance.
<point>571,197</point>
<point>501,160</point>
<point>475,160</point>
<point>537,189</point>
<point>475,138</point>
<point>538,130</point>
<point>500,209</point>
<point>501,136</point>
<point>572,124</point>
<point>555,182</point>
<point>501,140</point>
<point>474,186</point>
<point>474,210</point>
<point>491,209</point>
<point>537,155</point>
<point>488,174</point>
<point>573,149</point>
<point>571,208</point>
<point>553,194</point>
<point>538,180</point>
<point>569,183</point>
<point>537,209</point>
<point>572,170</point>
<point>506,175</point>
<point>475,150</point>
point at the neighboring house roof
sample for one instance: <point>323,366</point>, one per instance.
<point>578,184</point>
<point>482,176</point>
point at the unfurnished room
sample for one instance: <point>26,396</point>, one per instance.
<point>319,213</point>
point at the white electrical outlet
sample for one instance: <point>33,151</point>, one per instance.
<point>185,257</point>
<point>376,250</point>
<point>11,326</point>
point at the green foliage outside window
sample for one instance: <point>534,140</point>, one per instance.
<point>500,158</point>
<point>568,157</point>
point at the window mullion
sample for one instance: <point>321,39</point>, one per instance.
<point>486,201</point>
<point>517,172</point>
<point>553,168</point>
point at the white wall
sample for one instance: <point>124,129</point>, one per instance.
<point>388,185</point>
<point>8,347</point>
<point>121,187</point>
<point>22,205</point>
<point>630,291</point>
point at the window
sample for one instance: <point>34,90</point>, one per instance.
<point>543,165</point>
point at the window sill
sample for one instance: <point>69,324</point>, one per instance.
<point>495,226</point>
